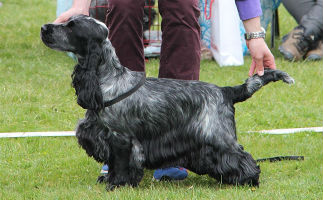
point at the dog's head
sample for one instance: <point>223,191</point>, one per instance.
<point>78,35</point>
<point>83,36</point>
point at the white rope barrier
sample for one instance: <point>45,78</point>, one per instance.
<point>289,131</point>
<point>37,134</point>
<point>72,133</point>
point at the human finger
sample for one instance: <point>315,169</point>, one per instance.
<point>259,66</point>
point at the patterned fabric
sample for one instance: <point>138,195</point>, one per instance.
<point>205,23</point>
<point>243,40</point>
<point>268,7</point>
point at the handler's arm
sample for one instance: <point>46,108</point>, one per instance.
<point>78,7</point>
<point>250,12</point>
<point>259,51</point>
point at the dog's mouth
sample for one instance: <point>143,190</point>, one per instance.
<point>46,40</point>
<point>45,34</point>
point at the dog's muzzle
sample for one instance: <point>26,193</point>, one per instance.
<point>45,33</point>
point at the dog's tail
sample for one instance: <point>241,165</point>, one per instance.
<point>243,92</point>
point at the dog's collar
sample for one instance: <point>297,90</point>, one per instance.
<point>126,94</point>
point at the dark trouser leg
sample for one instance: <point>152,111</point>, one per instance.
<point>124,20</point>
<point>180,51</point>
<point>307,13</point>
<point>298,8</point>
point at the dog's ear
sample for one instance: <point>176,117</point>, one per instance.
<point>93,56</point>
<point>86,81</point>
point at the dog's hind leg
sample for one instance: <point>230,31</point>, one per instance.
<point>235,167</point>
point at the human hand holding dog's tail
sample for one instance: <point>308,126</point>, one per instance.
<point>260,53</point>
<point>261,57</point>
<point>253,84</point>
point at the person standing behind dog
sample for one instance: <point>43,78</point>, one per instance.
<point>306,39</point>
<point>180,53</point>
<point>180,50</point>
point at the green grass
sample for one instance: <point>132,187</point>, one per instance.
<point>35,95</point>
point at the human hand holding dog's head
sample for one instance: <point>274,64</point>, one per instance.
<point>78,7</point>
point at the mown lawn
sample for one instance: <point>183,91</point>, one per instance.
<point>36,95</point>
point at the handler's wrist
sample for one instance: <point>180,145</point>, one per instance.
<point>255,35</point>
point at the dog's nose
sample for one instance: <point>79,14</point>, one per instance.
<point>43,28</point>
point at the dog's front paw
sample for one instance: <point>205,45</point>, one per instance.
<point>102,179</point>
<point>110,187</point>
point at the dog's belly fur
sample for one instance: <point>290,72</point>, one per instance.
<point>190,115</point>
